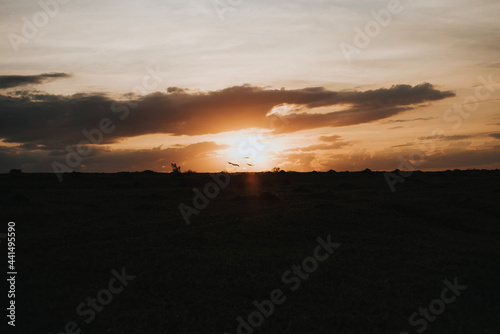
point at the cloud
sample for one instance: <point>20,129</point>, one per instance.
<point>403,145</point>
<point>364,107</point>
<point>104,160</point>
<point>495,135</point>
<point>409,120</point>
<point>460,144</point>
<point>55,121</point>
<point>389,159</point>
<point>335,141</point>
<point>493,64</point>
<point>320,147</point>
<point>459,158</point>
<point>9,81</point>
<point>445,138</point>
<point>333,138</point>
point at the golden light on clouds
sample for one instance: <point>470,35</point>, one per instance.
<point>262,87</point>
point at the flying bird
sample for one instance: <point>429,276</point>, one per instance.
<point>250,165</point>
<point>233,164</point>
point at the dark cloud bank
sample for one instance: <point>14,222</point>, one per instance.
<point>55,121</point>
<point>42,125</point>
<point>9,81</point>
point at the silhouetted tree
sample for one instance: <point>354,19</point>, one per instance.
<point>175,168</point>
<point>275,169</point>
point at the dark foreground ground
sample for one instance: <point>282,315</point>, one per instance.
<point>396,250</point>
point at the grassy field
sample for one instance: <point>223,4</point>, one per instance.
<point>396,249</point>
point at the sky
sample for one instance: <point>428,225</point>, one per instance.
<point>109,86</point>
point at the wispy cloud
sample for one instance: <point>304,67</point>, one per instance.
<point>409,120</point>
<point>495,135</point>
<point>446,138</point>
<point>333,138</point>
<point>9,81</point>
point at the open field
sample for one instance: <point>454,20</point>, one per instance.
<point>395,251</point>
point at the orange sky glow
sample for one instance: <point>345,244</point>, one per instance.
<point>299,85</point>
